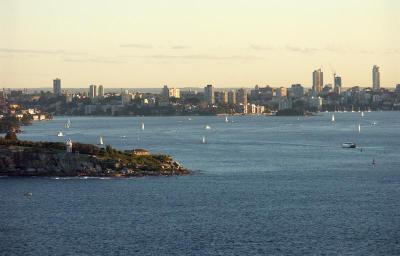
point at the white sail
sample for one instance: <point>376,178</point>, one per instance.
<point>60,134</point>
<point>101,141</point>
<point>333,118</point>
<point>362,114</point>
<point>226,119</point>
<point>359,128</point>
<point>204,140</point>
<point>142,126</point>
<point>207,127</point>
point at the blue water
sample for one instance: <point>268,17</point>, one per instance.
<point>263,185</point>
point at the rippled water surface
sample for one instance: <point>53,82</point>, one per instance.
<point>263,185</point>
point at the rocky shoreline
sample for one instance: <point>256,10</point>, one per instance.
<point>51,159</point>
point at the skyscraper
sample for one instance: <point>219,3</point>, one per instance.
<point>337,84</point>
<point>209,94</point>
<point>376,78</point>
<point>242,96</point>
<point>232,97</point>
<point>92,91</point>
<point>318,81</point>
<point>57,86</point>
<point>101,91</point>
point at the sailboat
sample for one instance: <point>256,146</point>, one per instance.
<point>142,126</point>
<point>203,140</point>
<point>362,114</point>
<point>226,119</point>
<point>68,124</point>
<point>207,127</point>
<point>333,118</point>
<point>101,141</point>
<point>60,134</point>
<point>359,128</point>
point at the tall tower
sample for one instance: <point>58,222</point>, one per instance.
<point>209,94</point>
<point>101,91</point>
<point>376,78</point>
<point>242,96</point>
<point>57,86</point>
<point>318,81</point>
<point>92,91</point>
<point>337,81</point>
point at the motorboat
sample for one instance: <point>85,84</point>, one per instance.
<point>348,145</point>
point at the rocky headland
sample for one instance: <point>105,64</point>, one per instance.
<point>26,158</point>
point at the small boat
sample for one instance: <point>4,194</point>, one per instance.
<point>207,127</point>
<point>60,134</point>
<point>374,123</point>
<point>101,141</point>
<point>142,126</point>
<point>203,140</point>
<point>333,118</point>
<point>28,194</point>
<point>189,119</point>
<point>348,145</point>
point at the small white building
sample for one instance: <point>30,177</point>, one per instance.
<point>69,146</point>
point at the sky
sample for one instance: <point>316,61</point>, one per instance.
<point>227,43</point>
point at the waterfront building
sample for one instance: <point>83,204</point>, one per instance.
<point>175,92</point>
<point>296,91</point>
<point>101,92</point>
<point>285,103</point>
<point>221,97</point>
<point>57,87</point>
<point>318,81</point>
<point>232,97</point>
<point>209,94</point>
<point>315,102</point>
<point>376,78</point>
<point>281,92</point>
<point>242,96</point>
<point>397,88</point>
<point>92,91</point>
<point>126,97</point>
<point>167,93</point>
<point>337,84</point>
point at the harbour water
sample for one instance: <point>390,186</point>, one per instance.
<point>262,185</point>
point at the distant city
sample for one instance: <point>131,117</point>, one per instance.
<point>260,100</point>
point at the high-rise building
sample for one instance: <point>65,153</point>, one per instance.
<point>209,94</point>
<point>318,81</point>
<point>101,91</point>
<point>296,91</point>
<point>57,86</point>
<point>376,78</point>
<point>221,97</point>
<point>167,93</point>
<point>175,92</point>
<point>92,91</point>
<point>281,92</point>
<point>397,88</point>
<point>232,97</point>
<point>337,84</point>
<point>242,96</point>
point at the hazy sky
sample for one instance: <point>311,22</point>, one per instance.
<point>229,43</point>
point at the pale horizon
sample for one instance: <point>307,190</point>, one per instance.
<point>135,44</point>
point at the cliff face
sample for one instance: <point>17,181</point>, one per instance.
<point>32,161</point>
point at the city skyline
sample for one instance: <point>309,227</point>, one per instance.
<point>184,44</point>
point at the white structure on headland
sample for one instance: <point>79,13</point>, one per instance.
<point>69,145</point>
